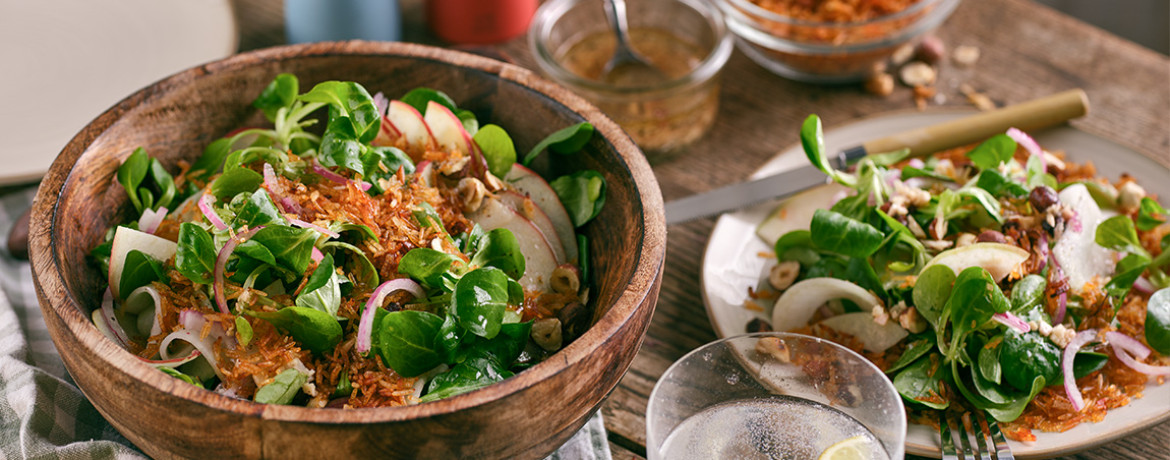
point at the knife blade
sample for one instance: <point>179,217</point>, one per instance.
<point>1032,115</point>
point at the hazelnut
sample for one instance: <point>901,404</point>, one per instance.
<point>783,274</point>
<point>546,332</point>
<point>566,279</point>
<point>965,55</point>
<point>931,50</point>
<point>902,54</point>
<point>881,84</point>
<point>471,193</point>
<point>775,348</point>
<point>917,73</point>
<point>991,236</point>
<point>1042,197</point>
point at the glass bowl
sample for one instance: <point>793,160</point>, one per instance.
<point>774,395</point>
<point>828,52</point>
<point>571,40</point>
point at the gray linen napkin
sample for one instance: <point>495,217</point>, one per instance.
<point>42,413</point>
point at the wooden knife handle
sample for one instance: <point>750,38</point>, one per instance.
<point>1028,116</point>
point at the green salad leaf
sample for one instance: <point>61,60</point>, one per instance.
<point>812,138</point>
<point>139,270</point>
<point>283,388</point>
<point>196,253</point>
<point>407,341</point>
<point>498,149</point>
<point>582,193</point>
<point>479,301</point>
<point>994,151</point>
<point>316,330</point>
<point>567,140</point>
<point>1150,214</point>
<point>500,249</point>
<point>1158,322</point>
<point>839,234</point>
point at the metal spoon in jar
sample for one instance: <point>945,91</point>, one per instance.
<point>626,67</point>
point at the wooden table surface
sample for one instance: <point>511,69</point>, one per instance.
<point>1028,51</point>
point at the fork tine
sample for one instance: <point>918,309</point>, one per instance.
<point>944,432</point>
<point>1002,451</point>
<point>980,431</point>
<point>965,436</point>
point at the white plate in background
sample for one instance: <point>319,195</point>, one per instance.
<point>732,263</point>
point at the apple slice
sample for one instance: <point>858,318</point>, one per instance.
<point>387,133</point>
<point>800,301</point>
<point>127,239</point>
<point>874,337</point>
<point>529,210</point>
<point>1077,251</point>
<point>404,119</point>
<point>796,212</point>
<point>997,258</point>
<point>530,183</point>
<point>539,261</point>
<point>447,128</point>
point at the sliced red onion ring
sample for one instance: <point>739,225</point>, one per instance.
<point>139,301</point>
<point>326,173</point>
<point>221,264</point>
<point>150,219</point>
<point>1062,298</point>
<point>303,224</point>
<point>1129,350</point>
<point>1026,142</point>
<point>1144,286</point>
<point>1061,308</point>
<point>338,178</point>
<point>269,177</point>
<point>316,255</point>
<point>205,346</point>
<point>110,326</point>
<point>172,363</point>
<point>366,326</point>
<point>1041,248</point>
<point>916,163</point>
<point>381,103</point>
<point>196,321</point>
<point>1066,365</point>
<point>1012,321</point>
<point>205,206</point>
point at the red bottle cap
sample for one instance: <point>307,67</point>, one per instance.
<point>478,22</point>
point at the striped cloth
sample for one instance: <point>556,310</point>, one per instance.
<point>42,413</point>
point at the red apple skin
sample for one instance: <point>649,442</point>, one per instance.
<point>539,260</point>
<point>447,129</point>
<point>410,124</point>
<point>529,183</point>
<point>529,210</point>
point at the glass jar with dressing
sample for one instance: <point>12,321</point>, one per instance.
<point>685,40</point>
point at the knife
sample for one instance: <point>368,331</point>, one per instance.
<point>1032,115</point>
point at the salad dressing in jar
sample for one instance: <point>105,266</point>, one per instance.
<point>685,40</point>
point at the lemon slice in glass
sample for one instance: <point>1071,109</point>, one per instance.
<point>854,448</point>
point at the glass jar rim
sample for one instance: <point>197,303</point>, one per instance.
<point>772,16</point>
<point>550,12</point>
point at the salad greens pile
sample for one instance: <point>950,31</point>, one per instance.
<point>241,243</point>
<point>980,312</point>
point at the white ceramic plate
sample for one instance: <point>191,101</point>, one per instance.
<point>64,62</point>
<point>732,263</point>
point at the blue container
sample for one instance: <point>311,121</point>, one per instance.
<point>328,20</point>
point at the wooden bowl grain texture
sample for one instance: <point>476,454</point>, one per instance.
<point>527,416</point>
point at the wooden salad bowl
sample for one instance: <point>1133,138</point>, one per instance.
<point>526,416</point>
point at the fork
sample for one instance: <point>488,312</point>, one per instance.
<point>989,442</point>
